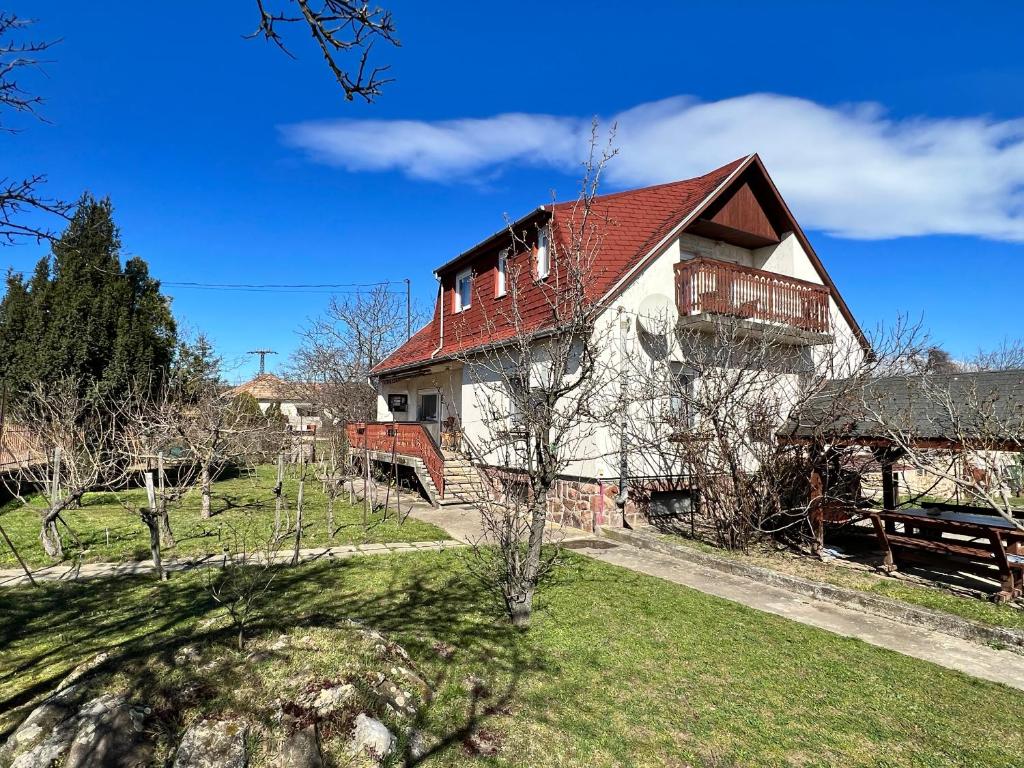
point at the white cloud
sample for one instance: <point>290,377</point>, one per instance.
<point>849,170</point>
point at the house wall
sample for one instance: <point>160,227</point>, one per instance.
<point>590,483</point>
<point>786,258</point>
<point>290,409</point>
<point>445,380</point>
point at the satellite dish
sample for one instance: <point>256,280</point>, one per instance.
<point>657,315</point>
<point>656,321</point>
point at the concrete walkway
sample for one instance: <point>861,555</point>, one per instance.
<point>62,572</point>
<point>462,523</point>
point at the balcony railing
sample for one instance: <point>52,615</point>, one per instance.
<point>708,286</point>
<point>402,438</point>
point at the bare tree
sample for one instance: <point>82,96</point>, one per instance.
<point>206,426</point>
<point>75,435</point>
<point>244,578</point>
<point>536,387</point>
<point>331,367</point>
<point>340,29</point>
<point>21,199</point>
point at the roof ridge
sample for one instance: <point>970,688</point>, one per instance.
<point>731,166</point>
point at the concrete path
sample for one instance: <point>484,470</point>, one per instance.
<point>462,522</point>
<point>945,650</point>
<point>63,572</point>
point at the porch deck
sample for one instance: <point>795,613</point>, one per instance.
<point>446,475</point>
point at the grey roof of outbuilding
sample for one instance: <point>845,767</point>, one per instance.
<point>958,407</point>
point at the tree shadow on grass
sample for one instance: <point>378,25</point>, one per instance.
<point>419,599</point>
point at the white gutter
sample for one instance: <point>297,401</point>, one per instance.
<point>440,311</point>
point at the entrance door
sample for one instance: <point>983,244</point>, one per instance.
<point>428,412</point>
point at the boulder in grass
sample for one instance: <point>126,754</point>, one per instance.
<point>371,738</point>
<point>108,734</point>
<point>45,735</point>
<point>213,744</point>
<point>332,699</point>
<point>104,731</point>
<point>301,749</point>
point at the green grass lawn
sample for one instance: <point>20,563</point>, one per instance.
<point>243,507</point>
<point>618,669</point>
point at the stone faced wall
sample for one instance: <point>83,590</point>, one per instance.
<point>574,502</point>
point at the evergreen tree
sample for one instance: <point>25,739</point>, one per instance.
<point>82,315</point>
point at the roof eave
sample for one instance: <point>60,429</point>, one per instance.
<point>491,240</point>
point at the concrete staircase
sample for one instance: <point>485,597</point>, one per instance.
<point>462,484</point>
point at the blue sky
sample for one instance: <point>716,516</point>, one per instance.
<point>895,131</point>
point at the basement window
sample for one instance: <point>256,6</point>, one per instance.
<point>463,291</point>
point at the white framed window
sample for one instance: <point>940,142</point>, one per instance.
<point>500,276</point>
<point>543,255</point>
<point>463,290</point>
<point>683,390</point>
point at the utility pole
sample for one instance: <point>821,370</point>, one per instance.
<point>408,309</point>
<point>263,357</point>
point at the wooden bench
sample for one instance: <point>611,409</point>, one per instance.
<point>985,542</point>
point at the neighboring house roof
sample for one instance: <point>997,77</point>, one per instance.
<point>979,409</point>
<point>267,386</point>
<point>633,227</point>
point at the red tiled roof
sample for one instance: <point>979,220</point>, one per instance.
<point>629,224</point>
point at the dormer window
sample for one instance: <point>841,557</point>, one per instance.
<point>543,255</point>
<point>500,274</point>
<point>463,290</point>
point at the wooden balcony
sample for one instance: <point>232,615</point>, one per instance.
<point>391,441</point>
<point>707,289</point>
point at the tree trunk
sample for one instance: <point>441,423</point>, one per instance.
<point>166,534</point>
<point>520,608</point>
<point>50,538</point>
<point>154,544</point>
<point>205,485</point>
<point>520,605</point>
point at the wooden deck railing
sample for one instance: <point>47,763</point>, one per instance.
<point>403,438</point>
<point>718,287</point>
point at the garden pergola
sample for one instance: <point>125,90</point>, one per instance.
<point>965,414</point>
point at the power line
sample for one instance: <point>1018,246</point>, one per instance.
<point>193,284</point>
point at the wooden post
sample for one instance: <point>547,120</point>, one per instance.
<point>21,562</point>
<point>167,535</point>
<point>816,511</point>
<point>152,520</point>
<point>298,523</point>
<point>150,492</point>
<point>366,481</point>
<point>888,564</point>
<point>331,492</point>
<point>278,491</point>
